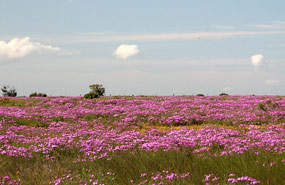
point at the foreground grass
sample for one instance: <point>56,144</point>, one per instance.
<point>127,166</point>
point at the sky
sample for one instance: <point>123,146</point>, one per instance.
<point>150,47</point>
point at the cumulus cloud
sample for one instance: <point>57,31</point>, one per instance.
<point>272,82</point>
<point>125,51</point>
<point>257,60</point>
<point>21,47</point>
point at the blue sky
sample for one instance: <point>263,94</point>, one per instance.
<point>143,47</point>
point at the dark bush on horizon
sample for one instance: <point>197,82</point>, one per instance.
<point>223,94</point>
<point>200,95</point>
<point>35,94</point>
<point>97,90</point>
<point>7,91</point>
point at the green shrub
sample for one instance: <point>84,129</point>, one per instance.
<point>35,94</point>
<point>200,94</point>
<point>223,94</point>
<point>91,95</point>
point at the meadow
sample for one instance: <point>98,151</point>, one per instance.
<point>157,140</point>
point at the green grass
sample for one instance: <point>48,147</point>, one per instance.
<point>128,166</point>
<point>10,102</point>
<point>32,122</point>
<point>58,119</point>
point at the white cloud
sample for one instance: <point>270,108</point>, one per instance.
<point>272,82</point>
<point>257,60</point>
<point>125,51</point>
<point>21,47</point>
<point>274,25</point>
<point>166,36</point>
<point>266,26</point>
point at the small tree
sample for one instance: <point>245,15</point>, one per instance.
<point>7,91</point>
<point>97,88</point>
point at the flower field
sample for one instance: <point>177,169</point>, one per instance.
<point>143,140</point>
